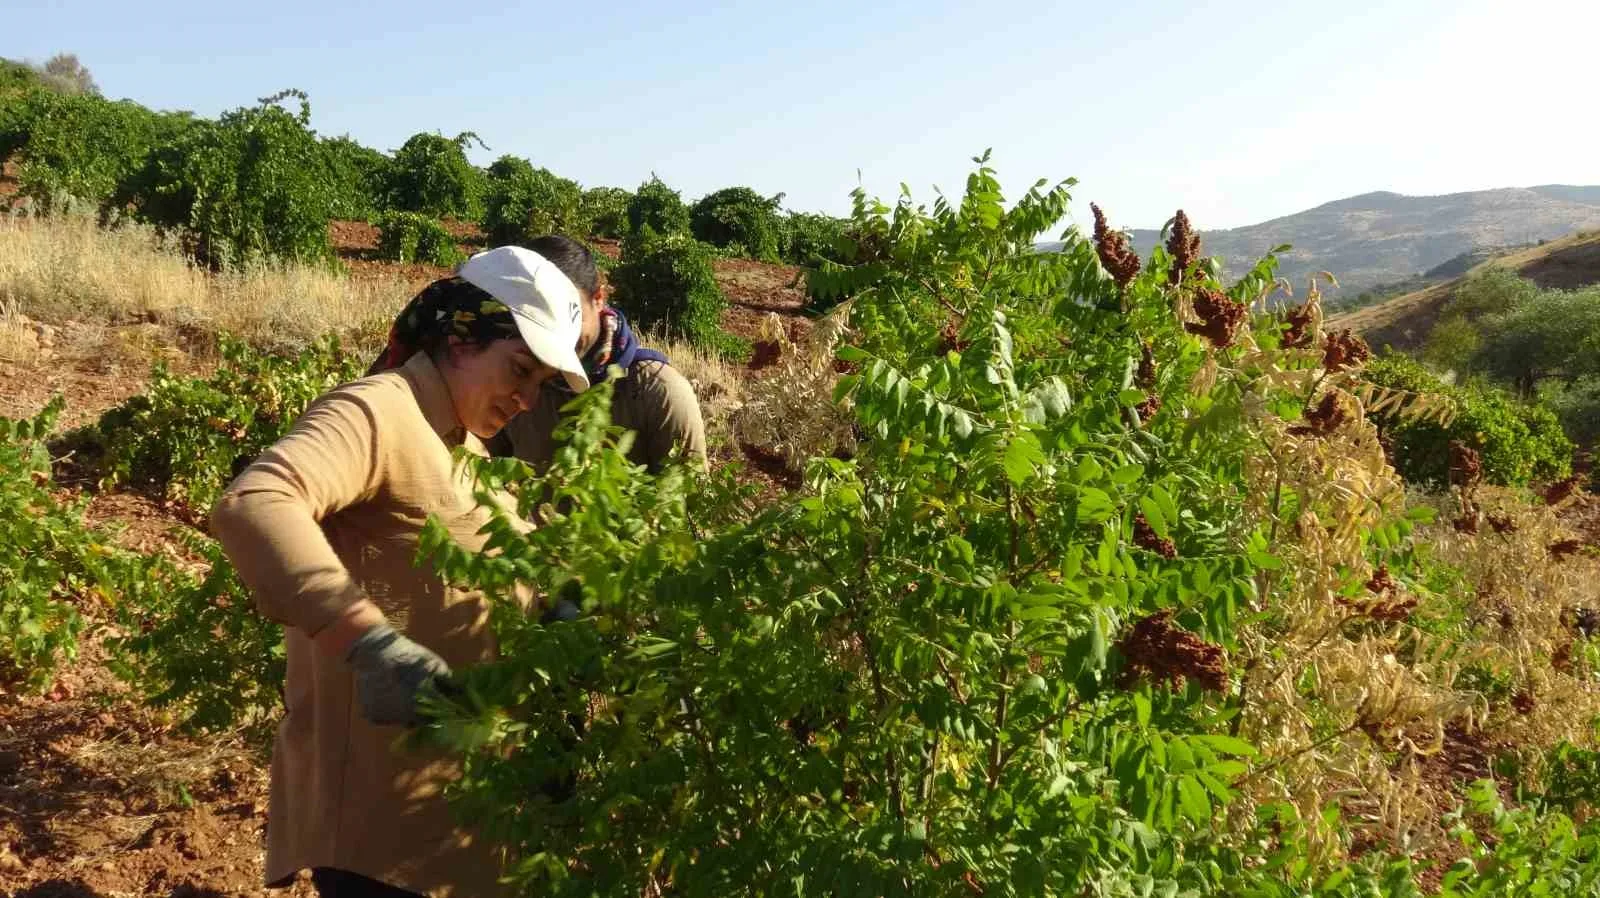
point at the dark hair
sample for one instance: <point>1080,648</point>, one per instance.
<point>448,307</point>
<point>572,257</point>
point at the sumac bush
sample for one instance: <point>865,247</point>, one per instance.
<point>414,237</point>
<point>524,202</point>
<point>431,175</point>
<point>657,207</point>
<point>666,281</point>
<point>738,218</point>
<point>1518,442</point>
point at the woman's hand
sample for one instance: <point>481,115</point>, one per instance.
<point>390,672</point>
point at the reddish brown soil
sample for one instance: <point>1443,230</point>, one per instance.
<point>756,290</point>
<point>101,800</point>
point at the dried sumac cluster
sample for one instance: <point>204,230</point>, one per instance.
<point>1184,245</point>
<point>1562,490</point>
<point>1219,316</point>
<point>1112,247</point>
<point>765,354</point>
<point>1390,606</point>
<point>1325,418</point>
<point>1344,350</point>
<point>1564,547</point>
<point>1145,379</point>
<point>1158,650</point>
<point>1298,334</point>
<point>1144,536</point>
<point>1466,465</point>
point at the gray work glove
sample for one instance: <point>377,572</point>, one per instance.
<point>390,672</point>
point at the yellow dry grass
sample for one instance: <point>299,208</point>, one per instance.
<point>67,269</point>
<point>17,340</point>
<point>716,383</point>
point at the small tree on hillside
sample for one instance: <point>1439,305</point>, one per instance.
<point>666,281</point>
<point>740,219</point>
<point>659,208</point>
<point>524,202</point>
<point>606,210</point>
<point>431,175</point>
<point>251,185</point>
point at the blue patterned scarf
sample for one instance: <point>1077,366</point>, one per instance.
<point>617,346</point>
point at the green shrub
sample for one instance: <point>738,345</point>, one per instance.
<point>738,217</point>
<point>249,187</point>
<point>808,237</point>
<point>40,569</point>
<point>359,177</point>
<point>198,646</point>
<point>657,207</point>
<point>80,145</point>
<point>606,210</point>
<point>413,237</point>
<point>52,561</point>
<point>526,202</point>
<point>1518,442</point>
<point>431,175</point>
<point>666,281</point>
<point>185,438</point>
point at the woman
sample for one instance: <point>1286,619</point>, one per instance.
<point>653,400</point>
<point>324,527</point>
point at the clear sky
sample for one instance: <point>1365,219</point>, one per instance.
<point>1236,111</point>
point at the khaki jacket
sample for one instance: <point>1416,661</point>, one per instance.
<point>328,515</point>
<point>652,399</point>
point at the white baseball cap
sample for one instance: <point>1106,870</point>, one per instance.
<point>546,306</point>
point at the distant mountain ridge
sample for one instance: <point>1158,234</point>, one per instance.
<point>1384,237</point>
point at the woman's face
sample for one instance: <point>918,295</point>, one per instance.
<point>491,383</point>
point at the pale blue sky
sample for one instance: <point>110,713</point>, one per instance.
<point>1236,111</point>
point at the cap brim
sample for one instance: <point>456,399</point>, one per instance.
<point>548,348</point>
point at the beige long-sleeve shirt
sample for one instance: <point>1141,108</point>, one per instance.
<point>331,514</point>
<point>652,399</point>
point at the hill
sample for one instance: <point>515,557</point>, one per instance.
<point>1385,238</point>
<point>1404,322</point>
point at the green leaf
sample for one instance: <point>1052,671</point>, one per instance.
<point>1227,745</point>
<point>1022,458</point>
<point>1264,560</point>
<point>1169,508</point>
<point>1127,474</point>
<point>1196,804</point>
<point>1153,515</point>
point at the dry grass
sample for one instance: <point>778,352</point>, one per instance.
<point>789,410</point>
<point>18,343</point>
<point>717,384</point>
<point>66,269</point>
